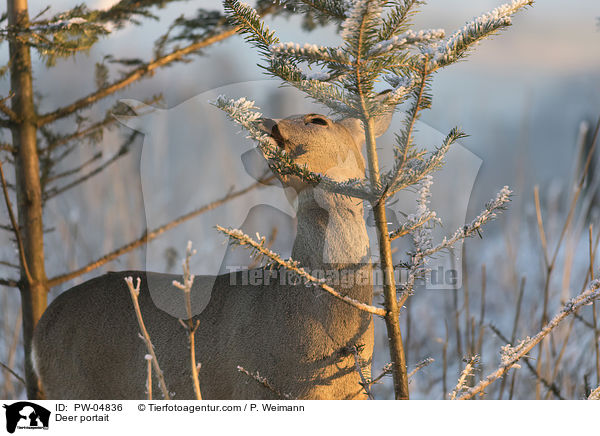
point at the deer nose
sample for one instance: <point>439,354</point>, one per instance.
<point>266,124</point>
<point>270,127</point>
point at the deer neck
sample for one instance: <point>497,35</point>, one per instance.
<point>331,231</point>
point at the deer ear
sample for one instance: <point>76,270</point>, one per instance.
<point>382,123</point>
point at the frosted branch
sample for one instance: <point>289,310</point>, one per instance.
<point>458,43</point>
<point>464,375</point>
<point>405,40</point>
<point>511,355</point>
<point>240,238</point>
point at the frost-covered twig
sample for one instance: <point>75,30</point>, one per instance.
<point>422,364</point>
<point>387,369</point>
<point>134,291</point>
<point>497,204</point>
<point>190,326</point>
<point>358,365</point>
<point>467,372</point>
<point>411,226</point>
<point>511,355</point>
<point>263,381</point>
<point>551,386</point>
<point>240,238</point>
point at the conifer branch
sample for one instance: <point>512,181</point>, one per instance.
<point>407,172</point>
<point>51,193</point>
<point>328,8</point>
<point>250,24</point>
<point>141,71</point>
<point>551,386</point>
<point>132,77</point>
<point>457,45</point>
<point>397,19</point>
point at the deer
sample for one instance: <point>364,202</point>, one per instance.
<point>300,339</point>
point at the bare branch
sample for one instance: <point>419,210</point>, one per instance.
<point>186,287</point>
<point>135,292</point>
<point>15,226</point>
<point>75,170</point>
<point>120,153</point>
<point>410,226</point>
<point>8,147</point>
<point>132,77</point>
<point>108,121</point>
<point>14,374</point>
<point>422,364</point>
<point>153,234</point>
<point>12,116</point>
<point>263,381</point>
<point>9,282</point>
<point>6,124</point>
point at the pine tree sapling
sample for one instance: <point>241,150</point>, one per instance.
<point>377,44</point>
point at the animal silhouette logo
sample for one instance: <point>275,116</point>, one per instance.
<point>26,415</point>
<point>193,155</point>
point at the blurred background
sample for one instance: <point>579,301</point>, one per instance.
<point>529,98</point>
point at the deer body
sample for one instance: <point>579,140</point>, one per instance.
<point>300,339</point>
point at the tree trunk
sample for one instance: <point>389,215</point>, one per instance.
<point>29,195</point>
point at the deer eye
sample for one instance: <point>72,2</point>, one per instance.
<point>319,121</point>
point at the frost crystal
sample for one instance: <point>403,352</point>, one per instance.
<point>422,237</point>
<point>242,109</point>
<point>409,37</point>
<point>318,75</point>
<point>296,49</point>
